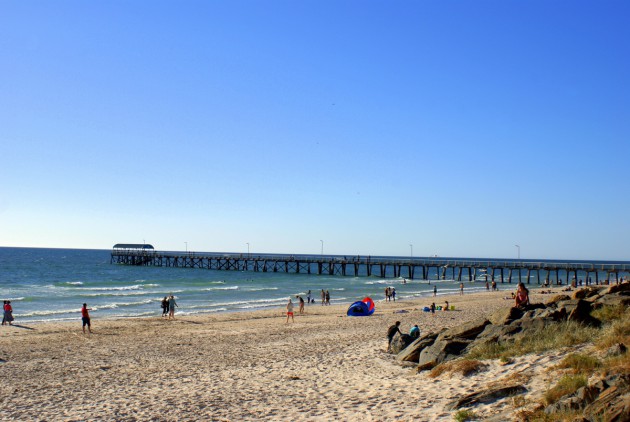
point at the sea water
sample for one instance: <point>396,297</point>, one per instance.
<point>52,285</point>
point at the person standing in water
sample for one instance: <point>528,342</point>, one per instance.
<point>85,318</point>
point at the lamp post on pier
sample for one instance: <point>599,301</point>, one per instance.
<point>186,243</point>
<point>411,250</point>
<point>519,251</point>
<point>322,253</point>
<point>248,249</point>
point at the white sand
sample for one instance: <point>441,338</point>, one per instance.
<point>243,366</point>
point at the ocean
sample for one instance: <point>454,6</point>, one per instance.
<point>52,284</point>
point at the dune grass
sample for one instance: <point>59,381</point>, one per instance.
<point>568,384</point>
<point>580,363</point>
<point>551,337</point>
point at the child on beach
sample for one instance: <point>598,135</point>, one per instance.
<point>391,332</point>
<point>301,303</point>
<point>290,311</point>
<point>414,332</point>
<point>85,318</point>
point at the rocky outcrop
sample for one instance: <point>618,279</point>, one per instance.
<point>442,350</point>
<point>607,399</point>
<point>434,348</point>
<point>400,343</point>
<point>412,352</point>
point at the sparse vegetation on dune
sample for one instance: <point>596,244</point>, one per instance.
<point>594,352</point>
<point>564,334</point>
<point>568,384</point>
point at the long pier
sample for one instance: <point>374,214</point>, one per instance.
<point>595,272</point>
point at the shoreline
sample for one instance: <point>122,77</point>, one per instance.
<point>232,366</point>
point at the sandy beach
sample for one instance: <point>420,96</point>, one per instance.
<point>242,366</point>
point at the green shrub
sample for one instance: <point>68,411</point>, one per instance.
<point>465,415</point>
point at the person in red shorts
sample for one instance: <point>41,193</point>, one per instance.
<point>85,316</point>
<point>290,311</point>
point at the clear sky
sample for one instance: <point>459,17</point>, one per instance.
<point>462,128</point>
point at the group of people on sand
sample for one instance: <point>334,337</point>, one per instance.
<point>7,316</point>
<point>325,295</point>
<point>168,307</point>
<point>390,294</point>
<point>414,332</point>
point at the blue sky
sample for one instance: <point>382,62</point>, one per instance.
<point>461,128</point>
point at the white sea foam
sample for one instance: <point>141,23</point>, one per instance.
<point>260,289</point>
<point>48,313</point>
<point>118,305</point>
<point>134,287</point>
<point>74,283</point>
<point>209,289</point>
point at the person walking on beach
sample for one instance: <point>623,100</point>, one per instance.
<point>433,308</point>
<point>461,288</point>
<point>393,293</point>
<point>323,297</point>
<point>391,332</point>
<point>171,307</point>
<point>301,309</point>
<point>327,297</point>
<point>8,313</point>
<point>85,318</point>
<point>435,291</point>
<point>308,297</point>
<point>290,311</point>
<point>4,317</point>
<point>165,307</point>
<point>386,294</point>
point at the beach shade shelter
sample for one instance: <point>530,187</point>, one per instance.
<point>363,307</point>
